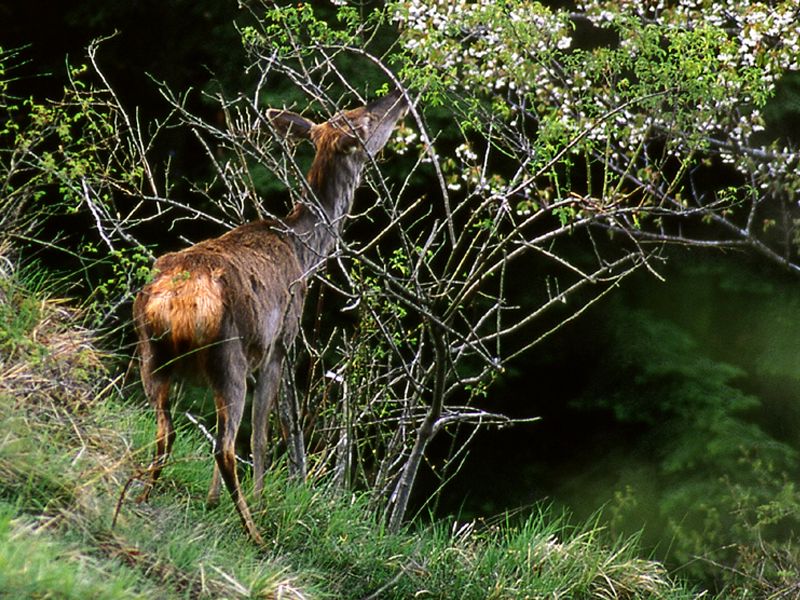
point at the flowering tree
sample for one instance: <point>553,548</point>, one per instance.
<point>633,99</point>
<point>617,127</point>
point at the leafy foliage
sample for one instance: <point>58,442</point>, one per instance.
<point>60,159</point>
<point>719,481</point>
<point>626,100</point>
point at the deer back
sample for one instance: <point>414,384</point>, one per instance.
<point>244,287</point>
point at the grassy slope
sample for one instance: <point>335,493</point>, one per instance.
<point>69,444</point>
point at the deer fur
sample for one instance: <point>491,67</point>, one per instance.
<point>231,305</point>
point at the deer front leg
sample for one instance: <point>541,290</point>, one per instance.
<point>264,397</point>
<point>158,391</point>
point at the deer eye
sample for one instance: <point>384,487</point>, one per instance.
<point>347,143</point>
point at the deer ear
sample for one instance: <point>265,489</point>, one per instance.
<point>290,125</point>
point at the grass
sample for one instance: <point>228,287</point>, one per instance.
<point>36,564</point>
<point>69,443</point>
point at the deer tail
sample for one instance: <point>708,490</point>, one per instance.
<point>183,308</point>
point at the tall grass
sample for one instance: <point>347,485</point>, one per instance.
<point>35,563</point>
<point>69,444</point>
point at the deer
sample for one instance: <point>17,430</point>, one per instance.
<point>228,307</point>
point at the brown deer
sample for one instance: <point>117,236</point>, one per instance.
<point>231,305</point>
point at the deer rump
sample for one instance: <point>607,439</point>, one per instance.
<point>240,292</point>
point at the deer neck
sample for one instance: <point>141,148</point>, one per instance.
<point>317,221</point>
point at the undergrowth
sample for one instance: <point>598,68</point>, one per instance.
<point>69,444</point>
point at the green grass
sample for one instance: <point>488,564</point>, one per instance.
<point>68,448</point>
<point>36,564</point>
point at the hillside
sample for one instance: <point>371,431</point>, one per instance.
<point>73,443</point>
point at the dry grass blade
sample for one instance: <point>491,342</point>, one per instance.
<point>47,356</point>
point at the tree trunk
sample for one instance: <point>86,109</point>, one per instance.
<point>398,503</point>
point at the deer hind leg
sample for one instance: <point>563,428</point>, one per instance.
<point>229,399</point>
<point>212,499</point>
<point>158,391</point>
<point>264,397</point>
